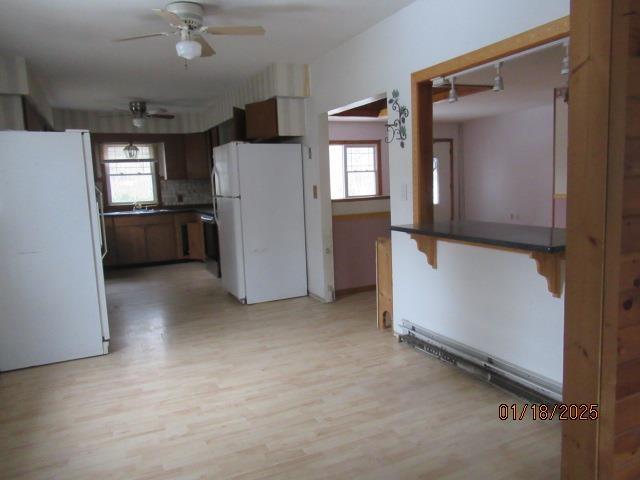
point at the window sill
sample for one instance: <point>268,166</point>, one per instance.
<point>360,199</point>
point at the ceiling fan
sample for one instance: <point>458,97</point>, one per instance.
<point>139,113</point>
<point>186,20</point>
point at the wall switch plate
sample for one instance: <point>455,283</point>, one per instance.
<point>405,191</point>
<point>315,191</point>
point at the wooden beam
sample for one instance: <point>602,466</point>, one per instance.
<point>535,37</point>
<point>422,104</point>
<point>599,36</point>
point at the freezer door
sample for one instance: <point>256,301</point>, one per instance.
<point>49,297</point>
<point>273,221</point>
<point>231,250</point>
<point>225,169</point>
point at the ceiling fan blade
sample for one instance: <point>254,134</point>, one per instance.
<point>233,30</point>
<point>207,50</point>
<point>137,37</point>
<point>165,116</point>
<point>170,17</point>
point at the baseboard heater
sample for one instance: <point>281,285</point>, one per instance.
<point>519,381</point>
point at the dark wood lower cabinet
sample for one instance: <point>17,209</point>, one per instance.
<point>161,243</point>
<point>143,239</point>
<point>131,244</point>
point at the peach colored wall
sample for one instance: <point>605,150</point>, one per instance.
<point>365,131</point>
<point>354,248</point>
<point>508,167</point>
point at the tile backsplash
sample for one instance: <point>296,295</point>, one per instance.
<point>185,192</point>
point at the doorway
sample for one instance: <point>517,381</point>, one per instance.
<point>443,208</point>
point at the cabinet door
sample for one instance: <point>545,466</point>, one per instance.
<point>262,119</point>
<point>131,244</point>
<point>196,153</point>
<point>196,240</point>
<point>174,150</point>
<point>160,242</point>
<point>112,248</point>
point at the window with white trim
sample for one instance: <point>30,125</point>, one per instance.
<point>354,169</point>
<point>130,181</point>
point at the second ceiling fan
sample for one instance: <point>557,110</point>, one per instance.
<point>186,19</point>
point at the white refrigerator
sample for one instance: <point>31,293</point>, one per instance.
<point>259,210</point>
<point>52,297</point>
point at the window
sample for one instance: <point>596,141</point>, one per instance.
<point>354,169</point>
<point>130,181</point>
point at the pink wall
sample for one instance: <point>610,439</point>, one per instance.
<point>508,167</point>
<point>365,131</point>
<point>354,253</point>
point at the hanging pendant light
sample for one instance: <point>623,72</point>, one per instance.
<point>131,151</point>
<point>453,94</point>
<point>498,82</point>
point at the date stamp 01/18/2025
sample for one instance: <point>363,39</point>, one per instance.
<point>542,411</point>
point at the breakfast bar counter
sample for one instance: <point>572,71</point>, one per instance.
<point>545,245</point>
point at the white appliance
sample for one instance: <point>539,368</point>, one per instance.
<point>259,210</point>
<point>52,298</point>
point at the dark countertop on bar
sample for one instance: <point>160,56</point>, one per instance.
<point>508,235</point>
<point>202,209</point>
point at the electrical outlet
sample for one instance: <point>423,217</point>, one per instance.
<point>315,192</point>
<point>180,198</point>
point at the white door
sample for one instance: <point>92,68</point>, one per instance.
<point>49,304</point>
<point>442,180</point>
<point>231,250</point>
<point>273,221</point>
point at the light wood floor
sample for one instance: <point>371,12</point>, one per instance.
<point>198,386</point>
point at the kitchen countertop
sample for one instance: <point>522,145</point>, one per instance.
<point>521,237</point>
<point>203,209</point>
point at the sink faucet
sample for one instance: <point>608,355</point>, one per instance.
<point>138,206</point>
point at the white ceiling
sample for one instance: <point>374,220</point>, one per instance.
<point>528,82</point>
<point>68,44</point>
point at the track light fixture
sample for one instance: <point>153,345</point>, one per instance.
<point>453,94</point>
<point>498,82</point>
<point>565,60</point>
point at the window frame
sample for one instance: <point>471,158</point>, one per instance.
<point>154,174</point>
<point>378,163</point>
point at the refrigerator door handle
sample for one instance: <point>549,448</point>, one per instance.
<point>104,248</point>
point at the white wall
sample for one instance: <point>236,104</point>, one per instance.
<point>377,61</point>
<point>509,167</point>
<point>17,79</point>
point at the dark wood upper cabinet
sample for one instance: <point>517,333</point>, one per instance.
<point>276,117</point>
<point>174,157</point>
<point>239,125</point>
<point>196,153</point>
<point>262,119</point>
<point>33,120</point>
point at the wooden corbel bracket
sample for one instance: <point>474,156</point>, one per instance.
<point>428,246</point>
<point>549,265</point>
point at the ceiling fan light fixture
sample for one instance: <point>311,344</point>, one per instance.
<point>188,49</point>
<point>139,122</point>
